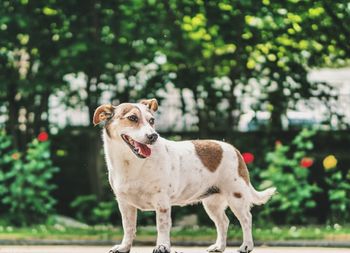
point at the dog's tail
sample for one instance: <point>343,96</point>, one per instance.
<point>260,198</point>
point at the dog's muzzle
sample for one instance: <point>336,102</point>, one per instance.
<point>141,150</point>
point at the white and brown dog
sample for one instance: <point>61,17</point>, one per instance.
<point>148,172</point>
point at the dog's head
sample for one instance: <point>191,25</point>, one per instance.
<point>131,122</point>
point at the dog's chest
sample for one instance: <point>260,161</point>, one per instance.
<point>138,193</point>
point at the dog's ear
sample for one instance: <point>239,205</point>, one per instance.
<point>152,104</point>
<point>102,113</point>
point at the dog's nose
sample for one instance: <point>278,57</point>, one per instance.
<point>152,137</point>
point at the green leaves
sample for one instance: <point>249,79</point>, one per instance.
<point>297,189</point>
<point>339,194</point>
<point>25,186</point>
<point>49,11</point>
<point>296,192</point>
<point>88,209</point>
<point>262,41</point>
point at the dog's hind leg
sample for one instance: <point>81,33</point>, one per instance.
<point>215,207</point>
<point>241,209</point>
<point>129,216</point>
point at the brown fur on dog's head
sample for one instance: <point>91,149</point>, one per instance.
<point>106,111</point>
<point>116,119</point>
<point>103,113</point>
<point>152,104</point>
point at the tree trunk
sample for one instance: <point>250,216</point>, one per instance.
<point>94,167</point>
<point>39,123</point>
<point>231,121</point>
<point>13,108</point>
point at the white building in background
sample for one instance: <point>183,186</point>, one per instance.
<point>312,111</point>
<point>170,117</point>
<point>339,79</point>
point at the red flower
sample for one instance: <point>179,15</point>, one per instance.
<point>306,162</point>
<point>43,136</point>
<point>248,157</point>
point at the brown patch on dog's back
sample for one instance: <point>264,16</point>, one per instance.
<point>242,168</point>
<point>209,152</point>
<point>237,195</point>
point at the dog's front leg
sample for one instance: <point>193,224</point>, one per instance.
<point>129,216</point>
<point>163,213</point>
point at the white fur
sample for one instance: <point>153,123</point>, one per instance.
<point>174,175</point>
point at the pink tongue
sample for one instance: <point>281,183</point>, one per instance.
<point>143,149</point>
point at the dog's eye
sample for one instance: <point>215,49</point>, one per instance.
<point>151,121</point>
<point>133,118</point>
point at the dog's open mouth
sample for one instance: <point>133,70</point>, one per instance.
<point>139,149</point>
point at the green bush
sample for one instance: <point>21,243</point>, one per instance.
<point>90,210</point>
<point>338,192</point>
<point>295,198</point>
<point>25,181</point>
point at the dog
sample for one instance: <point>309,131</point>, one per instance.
<point>148,172</point>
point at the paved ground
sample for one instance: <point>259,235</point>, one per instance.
<point>94,249</point>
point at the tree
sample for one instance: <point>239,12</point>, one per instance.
<point>273,44</point>
<point>29,66</point>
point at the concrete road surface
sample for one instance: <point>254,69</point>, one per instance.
<point>100,249</point>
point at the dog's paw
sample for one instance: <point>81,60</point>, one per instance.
<point>119,249</point>
<point>161,249</point>
<point>246,247</point>
<point>216,248</point>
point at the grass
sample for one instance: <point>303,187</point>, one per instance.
<point>148,234</point>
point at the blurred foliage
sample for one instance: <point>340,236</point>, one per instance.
<point>295,191</point>
<point>25,182</point>
<point>296,200</point>
<point>338,186</point>
<point>132,49</point>
<point>90,210</point>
